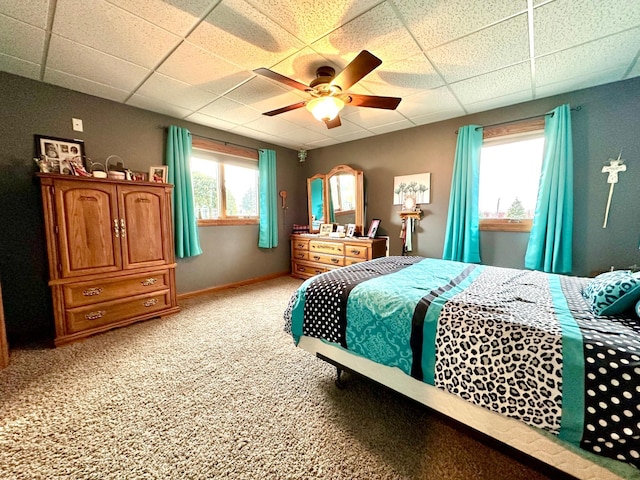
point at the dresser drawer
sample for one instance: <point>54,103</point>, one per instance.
<point>300,255</point>
<point>300,244</point>
<point>357,251</point>
<point>95,291</point>
<point>92,316</point>
<point>327,247</point>
<point>326,259</point>
<point>352,260</point>
<point>306,270</point>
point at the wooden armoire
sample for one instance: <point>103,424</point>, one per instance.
<point>110,249</point>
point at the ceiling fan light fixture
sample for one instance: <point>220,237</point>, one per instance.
<point>325,108</point>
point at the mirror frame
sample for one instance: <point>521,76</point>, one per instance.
<point>359,193</point>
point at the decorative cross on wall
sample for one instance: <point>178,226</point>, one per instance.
<point>615,166</point>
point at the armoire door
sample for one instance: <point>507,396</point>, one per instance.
<point>144,221</point>
<point>88,237</point>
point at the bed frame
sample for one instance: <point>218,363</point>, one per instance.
<point>504,429</point>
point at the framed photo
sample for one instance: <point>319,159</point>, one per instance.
<point>58,153</point>
<point>351,229</point>
<point>373,228</point>
<point>415,189</point>
<point>326,228</point>
<point>158,174</point>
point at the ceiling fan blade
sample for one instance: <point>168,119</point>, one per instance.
<point>359,67</point>
<point>333,123</point>
<point>265,72</point>
<point>372,101</point>
<point>285,109</point>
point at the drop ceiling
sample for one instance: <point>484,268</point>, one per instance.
<point>193,59</point>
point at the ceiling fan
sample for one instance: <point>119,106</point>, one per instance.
<point>329,90</point>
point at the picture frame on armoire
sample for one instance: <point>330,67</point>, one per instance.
<point>58,155</point>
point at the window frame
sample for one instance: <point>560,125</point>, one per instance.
<point>497,131</point>
<point>214,146</point>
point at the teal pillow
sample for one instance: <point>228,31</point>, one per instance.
<point>612,293</point>
<point>638,308</point>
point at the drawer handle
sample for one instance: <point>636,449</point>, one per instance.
<point>318,272</point>
<point>316,257</point>
<point>90,292</point>
<point>95,315</point>
<point>301,269</point>
<point>335,260</point>
<point>150,303</point>
<point>149,281</point>
<point>355,252</point>
<point>300,255</point>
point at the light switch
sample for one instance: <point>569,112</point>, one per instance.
<point>77,124</point>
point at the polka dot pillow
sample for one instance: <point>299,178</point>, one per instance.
<point>612,293</point>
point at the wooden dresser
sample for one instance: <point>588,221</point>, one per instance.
<point>312,254</point>
<point>110,249</point>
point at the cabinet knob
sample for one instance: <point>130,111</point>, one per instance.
<point>149,281</point>
<point>123,228</point>
<point>316,257</point>
<point>90,292</point>
<point>116,228</point>
<point>150,303</point>
<point>95,315</point>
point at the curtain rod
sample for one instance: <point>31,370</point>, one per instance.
<point>576,109</point>
<point>224,142</point>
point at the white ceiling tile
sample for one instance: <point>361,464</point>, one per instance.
<point>177,16</point>
<point>495,84</point>
<point>303,136</point>
<point>21,40</point>
<point>490,49</point>
<point>209,121</point>
<point>33,12</point>
<point>402,78</point>
<point>271,125</point>
<point>158,106</point>
<point>614,52</point>
<point>497,102</point>
<point>435,22</point>
<point>428,102</point>
<point>372,117</point>
<point>578,83</point>
<point>319,144</point>
<point>230,111</point>
<point>392,127</point>
<point>265,95</point>
<point>20,67</point>
<point>241,34</point>
<point>300,117</point>
<point>302,65</point>
<point>566,23</point>
<point>346,127</point>
<point>200,68</point>
<point>437,116</point>
<point>309,19</point>
<point>251,133</point>
<point>110,29</point>
<point>378,31</point>
<point>178,93</point>
<point>75,59</point>
<point>85,86</point>
<point>354,136</point>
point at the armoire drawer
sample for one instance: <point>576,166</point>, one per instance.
<point>103,290</point>
<point>300,244</point>
<point>307,271</point>
<point>352,260</point>
<point>300,255</point>
<point>92,316</point>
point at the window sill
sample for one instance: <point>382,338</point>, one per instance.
<point>227,221</point>
<point>504,225</point>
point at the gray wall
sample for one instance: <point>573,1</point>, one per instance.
<point>607,123</point>
<point>27,107</point>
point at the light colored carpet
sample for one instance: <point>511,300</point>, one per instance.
<point>219,391</point>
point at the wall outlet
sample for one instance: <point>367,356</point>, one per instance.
<point>77,124</point>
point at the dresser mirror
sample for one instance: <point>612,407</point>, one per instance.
<point>337,197</point>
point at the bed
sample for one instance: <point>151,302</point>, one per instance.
<point>545,363</point>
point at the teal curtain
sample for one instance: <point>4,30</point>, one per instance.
<point>551,235</point>
<point>268,199</point>
<point>185,226</point>
<point>462,237</point>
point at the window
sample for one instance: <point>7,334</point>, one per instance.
<point>225,187</point>
<point>510,166</point>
